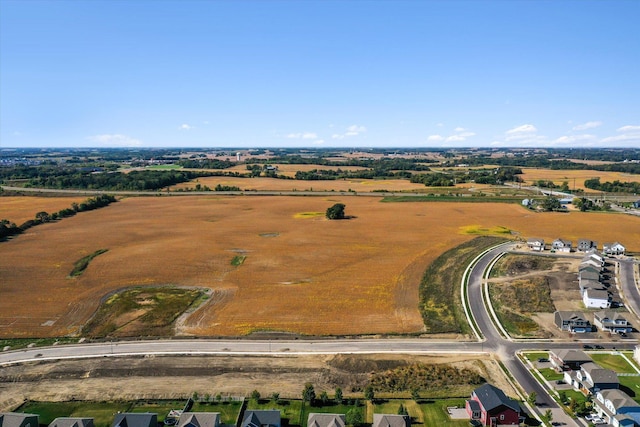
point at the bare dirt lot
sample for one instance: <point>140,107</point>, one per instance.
<point>301,273</point>
<point>172,377</point>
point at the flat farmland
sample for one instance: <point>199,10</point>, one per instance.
<point>529,175</point>
<point>275,184</point>
<point>301,273</point>
<point>22,208</point>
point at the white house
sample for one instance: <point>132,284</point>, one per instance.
<point>536,244</point>
<point>596,298</point>
<point>612,405</point>
<point>613,249</point>
<point>560,245</point>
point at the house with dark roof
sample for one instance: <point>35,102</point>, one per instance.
<point>129,419</point>
<point>491,407</point>
<point>261,418</point>
<point>326,420</point>
<point>388,420</point>
<point>568,359</point>
<point>199,419</point>
<point>572,321</point>
<point>17,419</point>
<point>72,422</point>
<point>585,245</point>
<point>611,321</point>
<point>615,407</point>
<point>591,378</point>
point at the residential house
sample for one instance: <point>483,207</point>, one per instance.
<point>261,418</point>
<point>72,422</point>
<point>128,419</point>
<point>585,245</point>
<point>568,359</point>
<point>596,256</point>
<point>326,420</point>
<point>613,249</point>
<point>588,272</point>
<point>572,321</point>
<point>526,203</point>
<point>536,244</point>
<point>560,245</point>
<point>611,321</point>
<point>596,298</point>
<point>589,262</point>
<point>17,419</point>
<point>199,419</point>
<point>491,407</point>
<point>636,204</point>
<point>591,378</point>
<point>611,403</point>
<point>387,420</point>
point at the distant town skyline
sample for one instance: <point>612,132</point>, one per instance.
<point>344,74</point>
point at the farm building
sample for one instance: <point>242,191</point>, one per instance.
<point>490,406</point>
<point>572,321</point>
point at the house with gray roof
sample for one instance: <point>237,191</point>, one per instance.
<point>560,245</point>
<point>612,321</point>
<point>591,378</point>
<point>572,321</point>
<point>566,359</point>
<point>72,422</point>
<point>596,298</point>
<point>489,406</point>
<point>613,402</point>
<point>261,418</point>
<point>326,420</point>
<point>585,245</point>
<point>535,244</point>
<point>388,420</point>
<point>199,419</point>
<point>129,419</point>
<point>614,248</point>
<point>17,419</point>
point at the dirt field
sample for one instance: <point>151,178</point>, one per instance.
<point>302,273</point>
<point>20,209</point>
<point>559,176</point>
<point>172,377</point>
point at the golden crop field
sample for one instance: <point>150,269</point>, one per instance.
<point>274,184</point>
<point>301,272</point>
<point>529,175</point>
<point>20,209</point>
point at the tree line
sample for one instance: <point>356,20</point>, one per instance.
<point>8,228</point>
<point>613,187</point>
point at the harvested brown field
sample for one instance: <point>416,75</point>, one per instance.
<point>301,274</point>
<point>19,209</point>
<point>529,175</point>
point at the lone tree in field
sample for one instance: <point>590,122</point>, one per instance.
<point>336,211</point>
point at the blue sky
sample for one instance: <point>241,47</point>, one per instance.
<point>329,73</point>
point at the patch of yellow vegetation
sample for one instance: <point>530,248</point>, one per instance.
<point>484,231</point>
<point>308,214</point>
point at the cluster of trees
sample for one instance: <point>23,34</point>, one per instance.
<point>433,179</point>
<point>613,187</point>
<point>336,211</point>
<point>479,176</point>
<point>585,204</point>
<point>205,164</point>
<point>550,184</point>
<point>8,228</point>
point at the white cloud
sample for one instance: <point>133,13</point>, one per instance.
<point>435,138</point>
<point>629,128</point>
<point>522,129</point>
<point>570,139</point>
<point>116,140</point>
<point>588,125</point>
<point>455,138</point>
<point>302,135</point>
<point>466,134</point>
<point>353,130</point>
<point>319,142</point>
<point>185,126</point>
<point>459,129</point>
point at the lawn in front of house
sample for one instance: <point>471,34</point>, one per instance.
<point>435,412</point>
<point>615,362</point>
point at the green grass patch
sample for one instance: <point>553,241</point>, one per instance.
<point>163,167</point>
<point>81,265</point>
<point>289,409</point>
<point>615,362</point>
<point>534,356</point>
<point>631,385</point>
<point>238,260</point>
<point>141,312</point>
<point>485,231</point>
<point>102,412</point>
<point>228,410</point>
<point>17,343</point>
<point>435,412</point>
<point>440,302</point>
<point>550,375</point>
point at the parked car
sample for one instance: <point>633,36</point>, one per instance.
<point>587,347</point>
<point>543,360</point>
<point>599,347</point>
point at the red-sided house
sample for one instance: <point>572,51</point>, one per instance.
<point>491,407</point>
